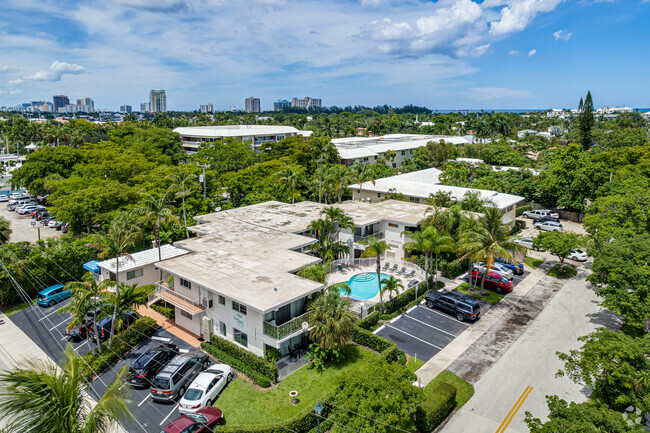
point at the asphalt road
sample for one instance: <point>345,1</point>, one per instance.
<point>525,372</point>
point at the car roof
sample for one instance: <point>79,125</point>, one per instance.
<point>174,364</point>
<point>203,380</point>
<point>49,289</point>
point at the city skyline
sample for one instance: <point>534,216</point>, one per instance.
<point>451,54</point>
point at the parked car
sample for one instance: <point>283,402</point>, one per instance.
<point>53,294</point>
<point>65,227</point>
<point>577,255</point>
<point>543,219</point>
<point>103,328</point>
<point>496,267</point>
<point>493,281</point>
<point>12,205</point>
<point>15,195</point>
<point>462,307</point>
<point>203,421</point>
<point>146,367</point>
<point>38,209</point>
<point>25,210</point>
<point>59,225</point>
<point>84,330</point>
<point>40,214</point>
<point>205,389</point>
<point>514,266</point>
<point>46,220</point>
<point>541,213</point>
<point>53,223</point>
<point>549,226</point>
<point>172,381</point>
<point>4,197</point>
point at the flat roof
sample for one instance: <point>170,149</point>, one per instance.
<point>361,147</point>
<point>234,130</point>
<point>143,258</point>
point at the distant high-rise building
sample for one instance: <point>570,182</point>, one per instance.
<point>206,108</point>
<point>252,105</point>
<point>157,101</point>
<point>88,104</point>
<point>60,101</point>
<point>281,104</point>
<point>307,103</point>
<point>145,107</point>
<point>125,109</point>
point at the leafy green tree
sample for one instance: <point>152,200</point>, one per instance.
<point>376,248</point>
<point>339,176</point>
<point>317,272</point>
<point>182,182</point>
<point>391,285</point>
<point>332,321</point>
<point>586,121</point>
<point>293,179</point>
<point>45,397</point>
<point>560,244</point>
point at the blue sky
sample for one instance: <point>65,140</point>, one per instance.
<point>449,54</point>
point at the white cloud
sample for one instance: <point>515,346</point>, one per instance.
<point>16,81</point>
<point>519,13</point>
<point>514,53</point>
<point>165,6</point>
<point>56,71</point>
<point>15,91</point>
<point>490,93</point>
<point>532,52</point>
<point>373,3</point>
<point>561,34</point>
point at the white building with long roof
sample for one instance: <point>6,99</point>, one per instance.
<point>193,136</point>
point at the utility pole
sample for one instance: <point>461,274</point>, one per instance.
<point>204,166</point>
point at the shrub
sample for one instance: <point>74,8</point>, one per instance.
<point>521,209</point>
<point>370,322</point>
<point>258,364</point>
<point>402,300</point>
<point>436,406</point>
<point>371,341</point>
<point>238,365</point>
<point>165,309</point>
<point>452,269</point>
<point>562,272</point>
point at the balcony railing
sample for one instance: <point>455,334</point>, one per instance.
<point>378,235</point>
<point>192,306</point>
<point>279,332</point>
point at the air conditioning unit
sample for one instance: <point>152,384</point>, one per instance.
<point>207,327</point>
<point>204,302</point>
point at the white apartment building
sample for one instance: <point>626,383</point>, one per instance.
<point>193,136</point>
<point>307,103</point>
<point>206,108</point>
<point>157,101</point>
<point>368,150</point>
<point>252,105</point>
<point>241,272</point>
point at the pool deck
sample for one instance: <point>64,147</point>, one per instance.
<point>348,271</point>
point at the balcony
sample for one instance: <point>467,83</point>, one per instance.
<point>192,306</point>
<point>288,329</point>
<point>378,235</point>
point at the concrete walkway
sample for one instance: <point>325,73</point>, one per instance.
<point>16,348</point>
<point>460,344</point>
<point>170,326</point>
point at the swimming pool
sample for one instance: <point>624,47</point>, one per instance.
<point>364,286</point>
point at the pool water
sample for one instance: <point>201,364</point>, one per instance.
<point>364,286</point>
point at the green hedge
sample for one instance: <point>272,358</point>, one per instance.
<point>399,302</point>
<point>370,322</point>
<point>123,342</point>
<point>242,367</point>
<point>165,309</point>
<point>521,209</point>
<point>386,348</point>
<point>452,269</point>
<point>256,363</point>
<point>436,406</point>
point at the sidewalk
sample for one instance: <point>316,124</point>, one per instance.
<point>16,348</point>
<point>460,344</point>
<point>170,326</point>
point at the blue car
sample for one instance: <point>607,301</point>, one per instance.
<point>52,295</point>
<point>517,268</point>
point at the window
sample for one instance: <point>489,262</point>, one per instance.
<point>239,307</point>
<point>186,283</point>
<point>241,337</point>
<point>403,152</point>
<point>378,195</point>
<point>376,157</point>
<point>222,300</point>
<point>222,328</point>
<point>137,273</point>
<point>365,159</point>
<point>393,225</point>
<point>414,200</point>
<point>186,314</point>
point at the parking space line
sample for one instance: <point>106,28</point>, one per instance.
<point>45,317</point>
<point>413,336</point>
<point>168,415</point>
<point>431,326</point>
<point>64,337</point>
<point>144,399</point>
<point>446,316</point>
<point>61,323</point>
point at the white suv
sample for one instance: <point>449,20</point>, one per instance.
<point>540,213</point>
<point>549,226</point>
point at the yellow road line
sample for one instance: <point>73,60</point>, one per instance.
<point>506,421</point>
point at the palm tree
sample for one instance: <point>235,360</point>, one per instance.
<point>339,220</point>
<point>43,397</point>
<point>376,248</point>
<point>86,299</point>
<point>332,321</point>
<point>320,228</point>
<point>128,298</point>
<point>156,210</point>
<point>391,285</point>
<point>340,177</point>
<point>182,183</point>
<point>323,151</point>
<point>363,173</point>
<point>466,245</point>
<point>5,230</point>
<point>430,242</point>
<point>292,178</point>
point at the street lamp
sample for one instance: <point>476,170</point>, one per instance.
<point>319,410</point>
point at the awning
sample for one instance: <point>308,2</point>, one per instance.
<point>92,266</point>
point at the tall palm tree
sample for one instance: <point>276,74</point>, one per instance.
<point>292,178</point>
<point>332,321</point>
<point>429,241</point>
<point>155,210</point>
<point>363,174</point>
<point>86,299</point>
<point>5,230</point>
<point>376,248</point>
<point>339,220</point>
<point>128,298</point>
<point>340,177</point>
<point>466,245</point>
<point>43,397</point>
<point>323,151</point>
<point>182,182</point>
<point>391,285</point>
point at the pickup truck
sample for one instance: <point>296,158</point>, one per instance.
<point>462,307</point>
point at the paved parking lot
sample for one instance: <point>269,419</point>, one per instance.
<point>46,328</point>
<point>22,229</point>
<point>422,332</point>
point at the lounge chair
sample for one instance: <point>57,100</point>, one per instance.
<point>395,266</point>
<point>386,266</point>
<point>412,274</point>
<point>401,271</point>
<point>340,267</point>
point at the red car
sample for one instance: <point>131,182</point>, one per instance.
<point>493,281</point>
<point>201,421</point>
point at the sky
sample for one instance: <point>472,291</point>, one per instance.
<point>446,54</point>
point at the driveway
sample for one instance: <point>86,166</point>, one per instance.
<point>422,332</point>
<point>22,229</point>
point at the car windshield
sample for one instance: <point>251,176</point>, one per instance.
<point>504,280</point>
<point>578,251</point>
<point>193,394</point>
<point>197,417</point>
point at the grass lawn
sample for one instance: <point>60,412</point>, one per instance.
<point>464,389</point>
<point>243,404</point>
<point>566,272</point>
<point>491,297</point>
<point>414,364</point>
<point>10,311</point>
<point>533,262</point>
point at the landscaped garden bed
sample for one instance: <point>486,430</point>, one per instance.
<point>490,297</point>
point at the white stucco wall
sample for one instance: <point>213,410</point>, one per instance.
<point>149,275</point>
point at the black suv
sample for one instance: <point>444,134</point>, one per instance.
<point>543,219</point>
<point>462,307</point>
<point>103,328</point>
<point>147,366</point>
